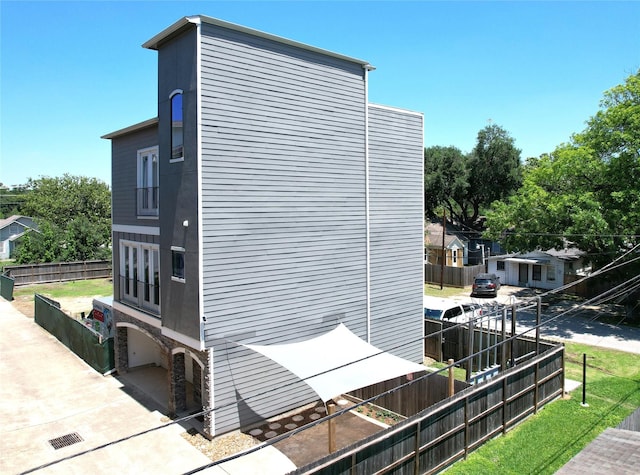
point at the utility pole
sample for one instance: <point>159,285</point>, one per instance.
<point>444,256</point>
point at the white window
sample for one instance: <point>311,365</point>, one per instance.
<point>147,193</point>
<point>551,273</point>
<point>177,132</point>
<point>140,274</point>
<point>177,264</point>
<point>455,256</point>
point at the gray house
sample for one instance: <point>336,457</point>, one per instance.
<point>548,269</point>
<point>267,204</point>
<point>11,230</point>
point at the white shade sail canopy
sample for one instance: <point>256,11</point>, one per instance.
<point>337,362</point>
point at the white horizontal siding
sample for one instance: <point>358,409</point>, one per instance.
<point>396,230</point>
<point>283,209</point>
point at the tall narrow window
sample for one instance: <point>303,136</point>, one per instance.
<point>537,272</point>
<point>177,263</point>
<point>148,180</point>
<point>177,133</point>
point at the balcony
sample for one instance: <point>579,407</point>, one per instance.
<point>147,201</point>
<point>143,295</point>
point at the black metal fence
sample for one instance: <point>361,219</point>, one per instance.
<point>58,272</point>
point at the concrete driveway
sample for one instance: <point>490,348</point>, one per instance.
<point>47,393</point>
<point>579,325</point>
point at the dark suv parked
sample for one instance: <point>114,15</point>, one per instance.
<point>486,284</point>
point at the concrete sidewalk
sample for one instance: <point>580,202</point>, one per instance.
<point>47,392</point>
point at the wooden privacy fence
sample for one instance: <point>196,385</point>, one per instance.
<point>409,400</point>
<point>58,272</point>
<point>446,340</point>
<point>438,436</point>
<point>453,276</point>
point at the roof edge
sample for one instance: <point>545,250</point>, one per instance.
<point>181,24</point>
<point>131,128</point>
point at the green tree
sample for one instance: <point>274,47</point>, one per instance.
<point>445,179</point>
<point>39,247</point>
<point>587,191</point>
<point>495,171</point>
<point>77,209</point>
<point>466,184</point>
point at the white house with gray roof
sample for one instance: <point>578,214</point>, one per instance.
<point>548,269</point>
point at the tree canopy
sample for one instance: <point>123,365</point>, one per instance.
<point>465,184</point>
<point>74,219</point>
<point>586,192</point>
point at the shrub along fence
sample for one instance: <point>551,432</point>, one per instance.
<point>439,435</point>
<point>85,342</point>
<point>58,272</point>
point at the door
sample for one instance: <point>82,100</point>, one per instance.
<point>523,274</point>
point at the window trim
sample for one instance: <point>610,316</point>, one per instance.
<point>175,278</point>
<point>152,213</point>
<point>139,286</point>
<point>174,93</point>
<point>536,272</point>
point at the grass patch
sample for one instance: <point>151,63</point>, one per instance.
<point>76,288</point>
<point>458,373</point>
<point>435,291</point>
<point>546,441</point>
<point>4,263</point>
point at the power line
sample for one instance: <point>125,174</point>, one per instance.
<point>283,436</point>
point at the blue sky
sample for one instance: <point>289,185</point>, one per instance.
<point>73,71</point>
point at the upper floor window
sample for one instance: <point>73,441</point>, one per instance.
<point>177,132</point>
<point>177,264</point>
<point>147,192</point>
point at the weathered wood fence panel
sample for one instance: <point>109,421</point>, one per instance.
<point>58,272</point>
<point>453,276</point>
<point>409,400</point>
<point>439,435</point>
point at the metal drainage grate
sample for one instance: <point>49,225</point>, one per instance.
<point>65,440</point>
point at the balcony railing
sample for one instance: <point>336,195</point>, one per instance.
<point>143,295</point>
<point>147,201</point>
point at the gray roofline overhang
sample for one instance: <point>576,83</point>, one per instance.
<point>132,128</point>
<point>185,22</point>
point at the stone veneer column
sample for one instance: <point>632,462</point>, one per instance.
<point>121,350</point>
<point>197,382</point>
<point>207,390</point>
<point>179,382</point>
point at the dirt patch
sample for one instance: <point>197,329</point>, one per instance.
<point>24,304</point>
<point>73,306</point>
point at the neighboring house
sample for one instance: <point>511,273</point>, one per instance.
<point>456,249</point>
<point>266,204</point>
<point>11,230</point>
<point>539,269</point>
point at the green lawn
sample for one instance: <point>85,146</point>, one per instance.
<point>435,291</point>
<point>546,441</point>
<point>78,288</point>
